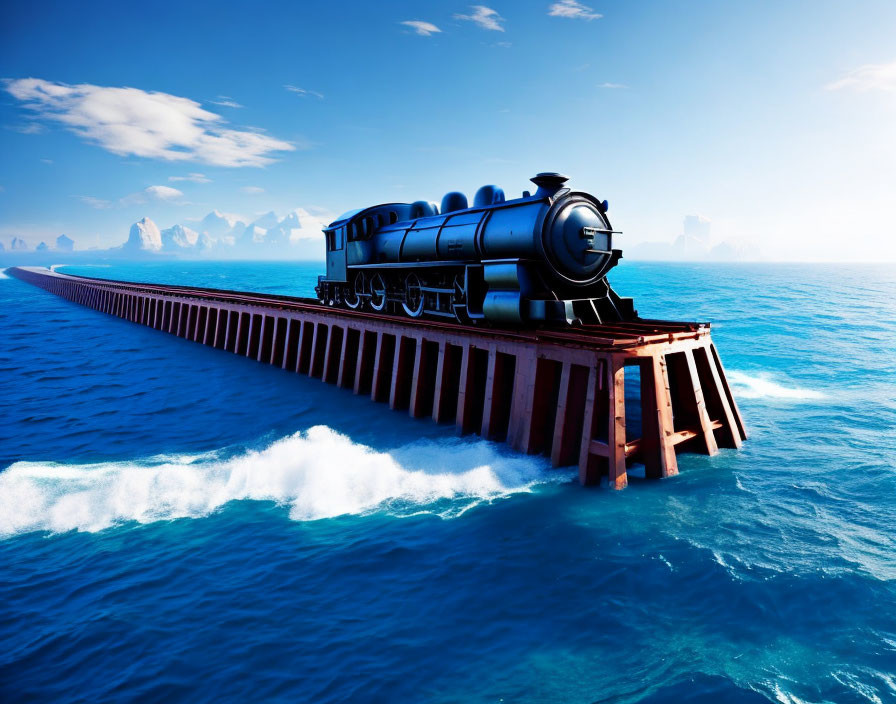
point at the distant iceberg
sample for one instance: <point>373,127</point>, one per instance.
<point>695,244</point>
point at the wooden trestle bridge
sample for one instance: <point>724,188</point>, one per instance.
<point>557,392</point>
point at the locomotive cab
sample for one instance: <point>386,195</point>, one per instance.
<point>337,269</point>
<point>349,242</point>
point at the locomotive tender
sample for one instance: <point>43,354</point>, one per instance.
<point>542,258</point>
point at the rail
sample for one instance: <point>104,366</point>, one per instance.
<point>613,336</point>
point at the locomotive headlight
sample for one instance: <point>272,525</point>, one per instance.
<point>577,238</point>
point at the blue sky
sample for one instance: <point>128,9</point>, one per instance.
<point>777,120</point>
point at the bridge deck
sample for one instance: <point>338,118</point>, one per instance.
<point>614,335</point>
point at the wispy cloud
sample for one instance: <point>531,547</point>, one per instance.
<point>424,29</point>
<point>134,122</point>
<point>47,161</point>
<point>612,85</point>
<point>868,77</point>
<point>166,194</point>
<point>252,190</point>
<point>195,178</point>
<point>27,128</point>
<point>485,17</point>
<point>304,92</point>
<point>98,203</point>
<point>573,10</point>
<point>225,101</point>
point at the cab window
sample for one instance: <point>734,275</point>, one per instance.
<point>361,229</point>
<point>335,239</point>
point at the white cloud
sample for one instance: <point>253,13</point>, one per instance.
<point>47,161</point>
<point>165,194</point>
<point>424,29</point>
<point>612,85</point>
<point>97,203</point>
<point>302,91</point>
<point>29,128</point>
<point>573,10</point>
<point>252,190</point>
<point>195,178</point>
<point>868,77</point>
<point>485,17</point>
<point>130,121</point>
<point>226,101</point>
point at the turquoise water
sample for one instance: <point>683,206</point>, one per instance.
<point>181,524</point>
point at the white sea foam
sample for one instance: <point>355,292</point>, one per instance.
<point>3,274</point>
<point>787,697</point>
<point>318,474</point>
<point>763,386</point>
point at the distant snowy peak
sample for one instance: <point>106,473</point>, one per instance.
<point>229,218</point>
<point>205,242</point>
<point>696,244</point>
<point>65,243</point>
<point>217,224</point>
<point>178,238</point>
<point>299,219</point>
<point>299,224</point>
<point>18,244</point>
<point>144,237</point>
<point>256,232</point>
<point>252,235</point>
<point>266,221</point>
<point>271,231</point>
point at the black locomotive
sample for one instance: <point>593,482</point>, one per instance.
<point>541,258</point>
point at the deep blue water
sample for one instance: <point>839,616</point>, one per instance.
<point>181,524</point>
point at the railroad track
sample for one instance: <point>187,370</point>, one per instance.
<point>616,335</point>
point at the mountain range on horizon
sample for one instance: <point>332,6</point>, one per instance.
<point>299,235</point>
<point>220,234</point>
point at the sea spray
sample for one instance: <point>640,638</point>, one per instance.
<point>762,386</point>
<point>317,474</point>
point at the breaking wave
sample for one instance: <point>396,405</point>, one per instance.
<point>763,387</point>
<point>317,474</point>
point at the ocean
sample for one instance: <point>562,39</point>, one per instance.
<point>182,524</point>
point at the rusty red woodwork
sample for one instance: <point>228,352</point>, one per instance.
<point>560,393</point>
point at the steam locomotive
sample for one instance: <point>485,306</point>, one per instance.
<point>539,259</point>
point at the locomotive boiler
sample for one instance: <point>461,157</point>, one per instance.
<point>541,258</point>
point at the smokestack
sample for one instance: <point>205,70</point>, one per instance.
<point>548,182</point>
